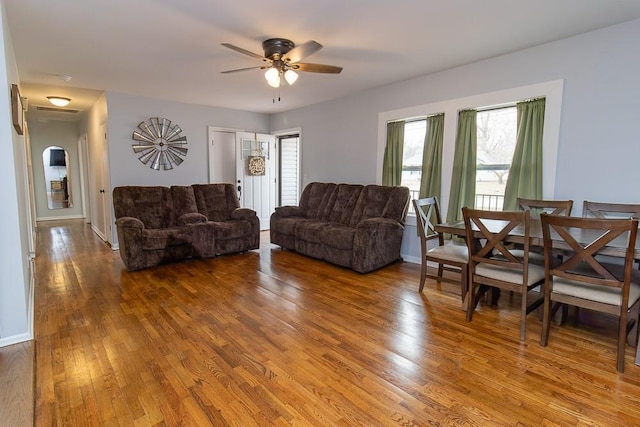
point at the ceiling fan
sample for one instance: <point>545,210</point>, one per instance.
<point>282,59</point>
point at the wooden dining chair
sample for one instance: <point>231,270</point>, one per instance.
<point>553,207</point>
<point>536,207</point>
<point>610,210</point>
<point>450,257</point>
<point>492,263</point>
<point>587,281</point>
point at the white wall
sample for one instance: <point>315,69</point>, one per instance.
<point>64,135</point>
<point>16,285</point>
<point>598,149</point>
<point>127,111</point>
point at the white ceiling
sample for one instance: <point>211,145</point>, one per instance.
<point>170,49</point>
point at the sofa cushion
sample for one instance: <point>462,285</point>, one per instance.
<point>153,239</point>
<point>309,230</point>
<point>151,205</point>
<point>184,201</point>
<point>286,226</point>
<point>216,201</point>
<point>344,201</point>
<point>378,201</point>
<point>315,200</point>
<point>338,236</point>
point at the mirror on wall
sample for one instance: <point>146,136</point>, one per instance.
<point>56,177</point>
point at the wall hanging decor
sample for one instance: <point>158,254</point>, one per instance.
<point>17,111</point>
<point>159,144</point>
<point>256,165</point>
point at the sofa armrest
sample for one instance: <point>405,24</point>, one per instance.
<point>243,213</point>
<point>380,223</point>
<point>129,222</point>
<point>286,211</point>
<point>191,218</point>
<point>253,241</point>
<point>376,243</point>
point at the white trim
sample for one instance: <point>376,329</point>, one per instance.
<point>15,339</point>
<point>55,218</point>
<point>410,259</point>
<point>551,90</point>
<point>98,232</point>
<point>82,167</point>
<point>302,182</point>
<point>31,296</point>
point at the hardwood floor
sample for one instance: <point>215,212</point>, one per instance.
<point>16,384</point>
<point>271,337</point>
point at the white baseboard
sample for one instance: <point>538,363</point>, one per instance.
<point>411,259</point>
<point>56,218</point>
<point>15,339</point>
<point>98,232</point>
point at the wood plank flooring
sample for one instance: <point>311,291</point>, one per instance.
<point>16,384</point>
<point>271,337</point>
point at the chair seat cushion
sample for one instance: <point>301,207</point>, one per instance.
<point>455,253</point>
<point>602,294</point>
<point>536,273</point>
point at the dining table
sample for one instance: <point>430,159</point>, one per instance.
<point>616,248</point>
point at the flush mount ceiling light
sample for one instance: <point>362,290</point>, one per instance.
<point>59,101</point>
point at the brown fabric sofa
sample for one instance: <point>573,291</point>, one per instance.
<point>157,225</point>
<point>355,226</point>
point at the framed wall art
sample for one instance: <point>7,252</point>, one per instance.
<point>17,112</point>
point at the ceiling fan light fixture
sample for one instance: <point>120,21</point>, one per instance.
<point>290,76</point>
<point>59,101</point>
<point>275,83</point>
<point>271,74</point>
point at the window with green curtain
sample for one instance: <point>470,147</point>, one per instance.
<point>463,179</point>
<point>392,162</point>
<point>525,174</point>
<point>432,157</point>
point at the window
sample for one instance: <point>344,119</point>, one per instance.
<point>289,160</point>
<point>414,133</point>
<point>496,138</point>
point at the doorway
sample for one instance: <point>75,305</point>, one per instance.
<point>279,183</point>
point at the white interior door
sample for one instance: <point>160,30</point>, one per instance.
<point>256,174</point>
<point>222,154</point>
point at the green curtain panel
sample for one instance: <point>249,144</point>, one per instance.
<point>392,163</point>
<point>430,180</point>
<point>463,179</point>
<point>525,174</point>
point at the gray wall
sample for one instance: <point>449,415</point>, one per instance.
<point>16,286</point>
<point>598,148</point>
<point>127,111</point>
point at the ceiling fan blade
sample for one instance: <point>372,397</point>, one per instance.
<point>242,69</point>
<point>244,51</point>
<point>317,68</point>
<point>302,51</point>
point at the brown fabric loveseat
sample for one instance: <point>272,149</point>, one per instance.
<point>355,226</point>
<point>158,225</point>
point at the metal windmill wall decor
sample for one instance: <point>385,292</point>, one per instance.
<point>159,144</point>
